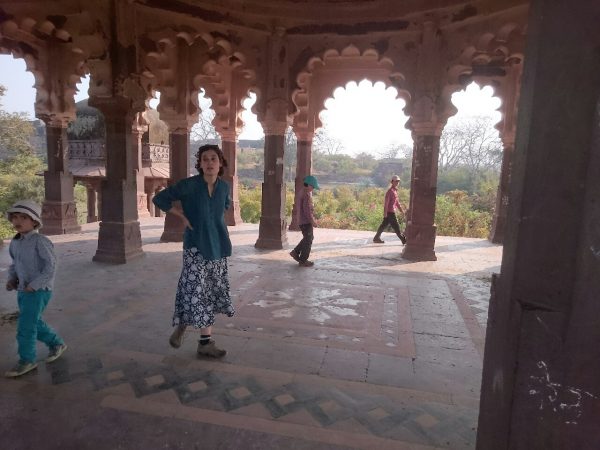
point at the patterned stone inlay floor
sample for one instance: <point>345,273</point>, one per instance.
<point>393,415</point>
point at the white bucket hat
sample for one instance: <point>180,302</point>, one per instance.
<point>395,178</point>
<point>29,207</point>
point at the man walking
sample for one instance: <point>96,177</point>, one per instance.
<point>391,202</point>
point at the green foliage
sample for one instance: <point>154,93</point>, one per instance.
<point>484,198</point>
<point>19,179</point>
<point>454,216</point>
<point>20,168</point>
<point>80,194</point>
<point>15,133</point>
<point>458,178</point>
<point>251,199</point>
<point>351,208</point>
<point>250,202</point>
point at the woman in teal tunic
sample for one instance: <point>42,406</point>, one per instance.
<point>203,289</point>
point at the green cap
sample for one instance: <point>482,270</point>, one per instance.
<point>312,181</point>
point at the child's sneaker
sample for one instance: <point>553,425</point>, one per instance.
<point>55,352</point>
<point>210,350</point>
<point>20,369</point>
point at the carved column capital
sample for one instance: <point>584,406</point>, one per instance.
<point>228,134</point>
<point>178,124</point>
<point>274,128</point>
<point>304,135</point>
<point>56,120</point>
<point>426,128</point>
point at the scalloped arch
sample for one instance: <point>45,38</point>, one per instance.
<point>497,50</point>
<point>310,100</point>
<point>49,104</point>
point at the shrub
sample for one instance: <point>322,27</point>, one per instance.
<point>362,209</point>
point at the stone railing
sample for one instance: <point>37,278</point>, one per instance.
<point>87,149</point>
<point>153,153</point>
<point>156,153</point>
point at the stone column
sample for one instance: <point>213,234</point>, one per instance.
<point>273,225</point>
<point>540,385</point>
<point>274,119</point>
<point>499,220</point>
<point>421,229</point>
<point>509,92</point>
<point>59,211</point>
<point>98,190</point>
<point>149,190</point>
<point>303,168</point>
<point>119,237</point>
<point>140,127</point>
<point>179,163</point>
<point>232,215</point>
<point>91,204</point>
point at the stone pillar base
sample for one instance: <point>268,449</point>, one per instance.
<point>142,198</point>
<point>118,243</point>
<point>142,205</point>
<point>418,253</point>
<point>174,228</point>
<point>420,243</point>
<point>271,233</point>
<point>59,218</point>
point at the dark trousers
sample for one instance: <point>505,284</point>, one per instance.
<point>390,220</point>
<point>304,246</point>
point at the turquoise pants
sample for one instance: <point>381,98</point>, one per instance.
<point>31,327</point>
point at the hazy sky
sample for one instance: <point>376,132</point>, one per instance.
<point>363,116</point>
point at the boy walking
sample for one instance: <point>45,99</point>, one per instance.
<point>32,274</point>
<point>391,202</point>
<point>306,220</point>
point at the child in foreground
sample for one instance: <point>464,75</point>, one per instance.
<point>32,274</point>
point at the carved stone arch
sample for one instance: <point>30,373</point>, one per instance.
<point>486,60</point>
<point>227,79</point>
<point>212,62</point>
<point>48,47</point>
<point>334,68</point>
<point>170,57</point>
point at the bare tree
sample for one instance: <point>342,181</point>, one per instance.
<point>326,144</point>
<point>289,153</point>
<point>204,130</point>
<point>471,142</point>
<point>390,152</point>
<point>452,143</point>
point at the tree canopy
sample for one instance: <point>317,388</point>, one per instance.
<point>20,167</point>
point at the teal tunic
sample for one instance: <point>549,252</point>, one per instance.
<point>205,213</point>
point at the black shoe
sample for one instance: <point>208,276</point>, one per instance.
<point>294,255</point>
<point>403,238</point>
<point>377,240</point>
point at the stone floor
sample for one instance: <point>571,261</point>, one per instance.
<point>362,351</point>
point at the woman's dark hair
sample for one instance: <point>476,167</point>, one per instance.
<point>217,150</point>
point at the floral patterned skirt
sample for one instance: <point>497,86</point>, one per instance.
<point>202,292</point>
